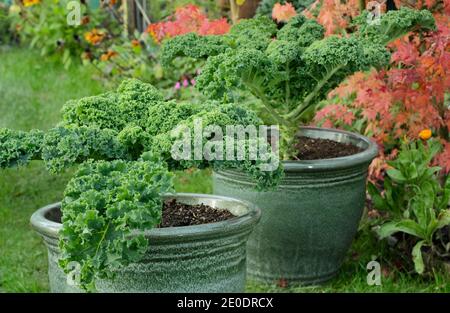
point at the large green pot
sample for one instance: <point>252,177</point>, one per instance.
<point>309,221</point>
<point>202,258</point>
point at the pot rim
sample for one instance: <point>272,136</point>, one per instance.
<point>363,157</point>
<point>45,227</point>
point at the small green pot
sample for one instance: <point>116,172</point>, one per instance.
<point>309,221</point>
<point>201,258</point>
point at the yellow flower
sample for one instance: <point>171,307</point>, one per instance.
<point>425,134</point>
<point>29,3</point>
<point>94,37</point>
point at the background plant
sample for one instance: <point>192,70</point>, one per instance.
<point>44,25</point>
<point>416,203</point>
<point>265,7</point>
<point>389,105</point>
<point>161,9</point>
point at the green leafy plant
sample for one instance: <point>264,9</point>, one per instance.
<point>123,125</point>
<point>43,25</point>
<point>123,141</point>
<point>107,207</point>
<point>289,70</point>
<point>416,201</point>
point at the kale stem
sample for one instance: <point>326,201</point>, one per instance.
<point>300,109</point>
<point>101,239</point>
<point>288,89</point>
<point>261,96</point>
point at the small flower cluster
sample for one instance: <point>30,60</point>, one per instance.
<point>184,83</point>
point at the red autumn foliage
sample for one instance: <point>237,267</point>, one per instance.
<point>283,12</point>
<point>187,19</point>
<point>334,15</point>
<point>397,103</point>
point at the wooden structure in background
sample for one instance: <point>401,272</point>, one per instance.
<point>135,15</point>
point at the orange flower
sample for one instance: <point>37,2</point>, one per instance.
<point>135,43</point>
<point>283,12</point>
<point>30,3</point>
<point>425,134</point>
<point>94,37</point>
<point>108,55</point>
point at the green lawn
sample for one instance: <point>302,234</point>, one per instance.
<point>32,91</point>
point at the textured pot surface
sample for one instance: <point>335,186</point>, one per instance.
<point>309,221</point>
<point>202,258</point>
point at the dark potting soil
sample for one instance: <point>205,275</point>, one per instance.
<point>176,214</point>
<point>315,149</point>
<point>179,214</point>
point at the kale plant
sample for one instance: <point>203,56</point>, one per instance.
<point>123,141</point>
<point>290,70</point>
<point>107,207</point>
<point>123,125</point>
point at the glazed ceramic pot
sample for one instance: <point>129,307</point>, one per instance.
<point>201,258</point>
<point>309,221</point>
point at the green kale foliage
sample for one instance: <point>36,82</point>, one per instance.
<point>107,208</point>
<point>291,69</point>
<point>124,124</point>
<point>123,141</point>
<point>18,147</point>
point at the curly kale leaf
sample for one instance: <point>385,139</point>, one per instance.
<point>231,70</point>
<point>264,169</point>
<point>18,147</point>
<point>106,208</point>
<point>394,24</point>
<point>302,31</point>
<point>122,125</point>
<point>64,147</point>
<point>255,33</point>
<point>192,45</point>
<point>165,116</point>
<point>113,110</point>
<point>220,118</point>
<point>100,111</point>
<point>334,55</point>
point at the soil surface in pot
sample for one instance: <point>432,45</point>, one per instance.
<point>176,214</point>
<point>316,149</point>
<point>179,214</point>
